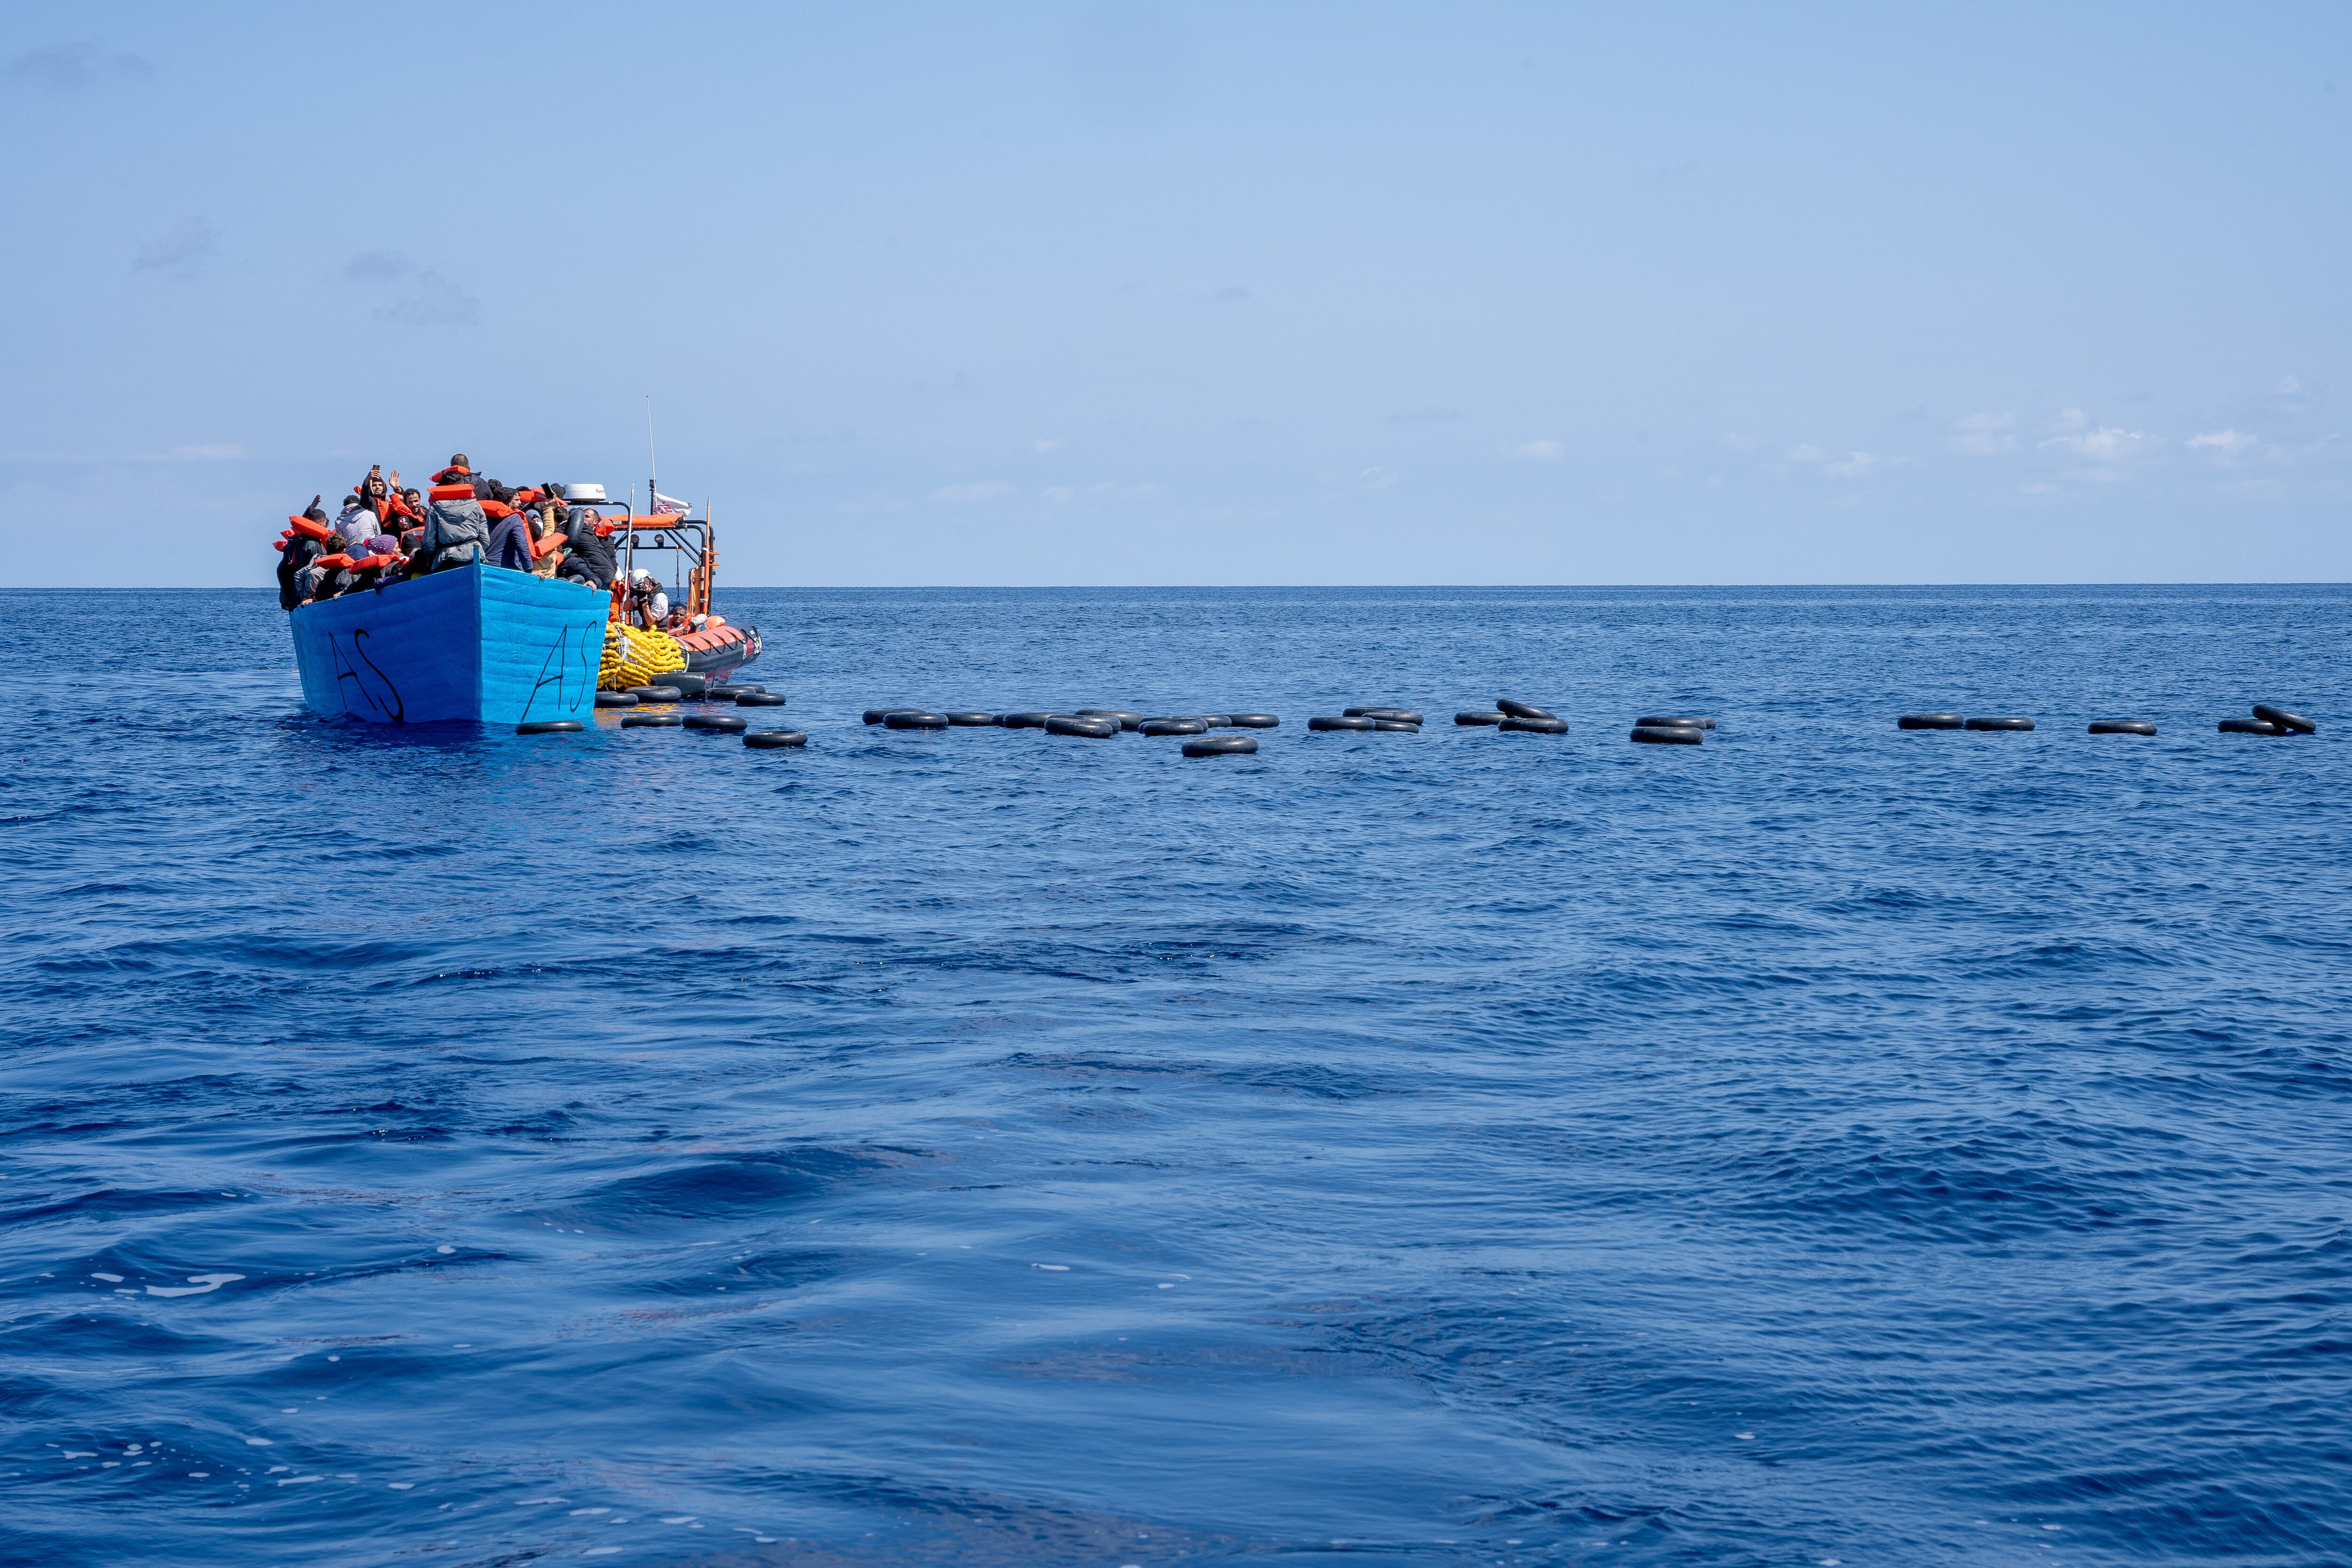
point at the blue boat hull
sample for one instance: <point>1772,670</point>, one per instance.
<point>478,643</point>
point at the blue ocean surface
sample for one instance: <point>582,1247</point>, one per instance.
<point>1829,1145</point>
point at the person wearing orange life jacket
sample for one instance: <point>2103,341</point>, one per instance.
<point>456,525</point>
<point>510,541</point>
<point>547,532</point>
<point>304,543</point>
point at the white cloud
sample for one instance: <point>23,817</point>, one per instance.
<point>72,67</point>
<point>1984,434</point>
<point>2225,444</point>
<point>1375,479</point>
<point>2072,419</point>
<point>1808,453</point>
<point>980,490</point>
<point>1860,466</point>
<point>435,302</point>
<point>375,267</point>
<point>1059,493</point>
<point>2107,444</point>
<point>1044,443</point>
<point>1544,451</point>
<point>181,251</point>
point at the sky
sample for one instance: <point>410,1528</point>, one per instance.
<point>1111,292</point>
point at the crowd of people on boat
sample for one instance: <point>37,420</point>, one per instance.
<point>384,533</point>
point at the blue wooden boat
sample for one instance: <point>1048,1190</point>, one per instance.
<point>477,643</point>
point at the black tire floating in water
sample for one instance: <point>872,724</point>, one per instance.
<point>1395,726</point>
<point>1669,724</point>
<point>653,693</point>
<point>550,727</point>
<point>2285,720</point>
<point>652,720</point>
<point>1171,727</point>
<point>1092,729</point>
<point>1251,721</point>
<point>2250,727</point>
<point>1534,726</point>
<point>876,715</point>
<point>1520,710</point>
<point>1992,724</point>
<point>1931,721</point>
<point>1669,734</point>
<point>730,689</point>
<point>686,685</point>
<point>1221,746</point>
<point>1024,720</point>
<point>1483,715</point>
<point>761,700</point>
<point>971,721</point>
<point>2122,727</point>
<point>1118,716</point>
<point>615,700</point>
<point>769,739</point>
<point>1357,722</point>
<point>1214,720</point>
<point>727,722</point>
<point>914,719</point>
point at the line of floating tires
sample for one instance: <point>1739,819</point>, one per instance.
<point>1507,715</point>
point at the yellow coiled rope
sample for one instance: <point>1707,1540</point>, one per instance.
<point>633,658</point>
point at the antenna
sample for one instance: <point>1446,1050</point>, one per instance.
<point>654,484</point>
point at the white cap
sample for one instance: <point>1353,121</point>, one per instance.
<point>584,492</point>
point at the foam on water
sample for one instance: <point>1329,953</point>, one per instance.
<point>1829,1144</point>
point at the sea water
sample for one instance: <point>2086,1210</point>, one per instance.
<point>1827,1145</point>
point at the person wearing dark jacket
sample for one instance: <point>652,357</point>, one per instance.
<point>301,550</point>
<point>588,554</point>
<point>509,543</point>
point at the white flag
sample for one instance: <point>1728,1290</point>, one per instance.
<point>669,506</point>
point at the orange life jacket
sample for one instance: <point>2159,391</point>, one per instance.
<point>452,492</point>
<point>315,529</point>
<point>497,508</point>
